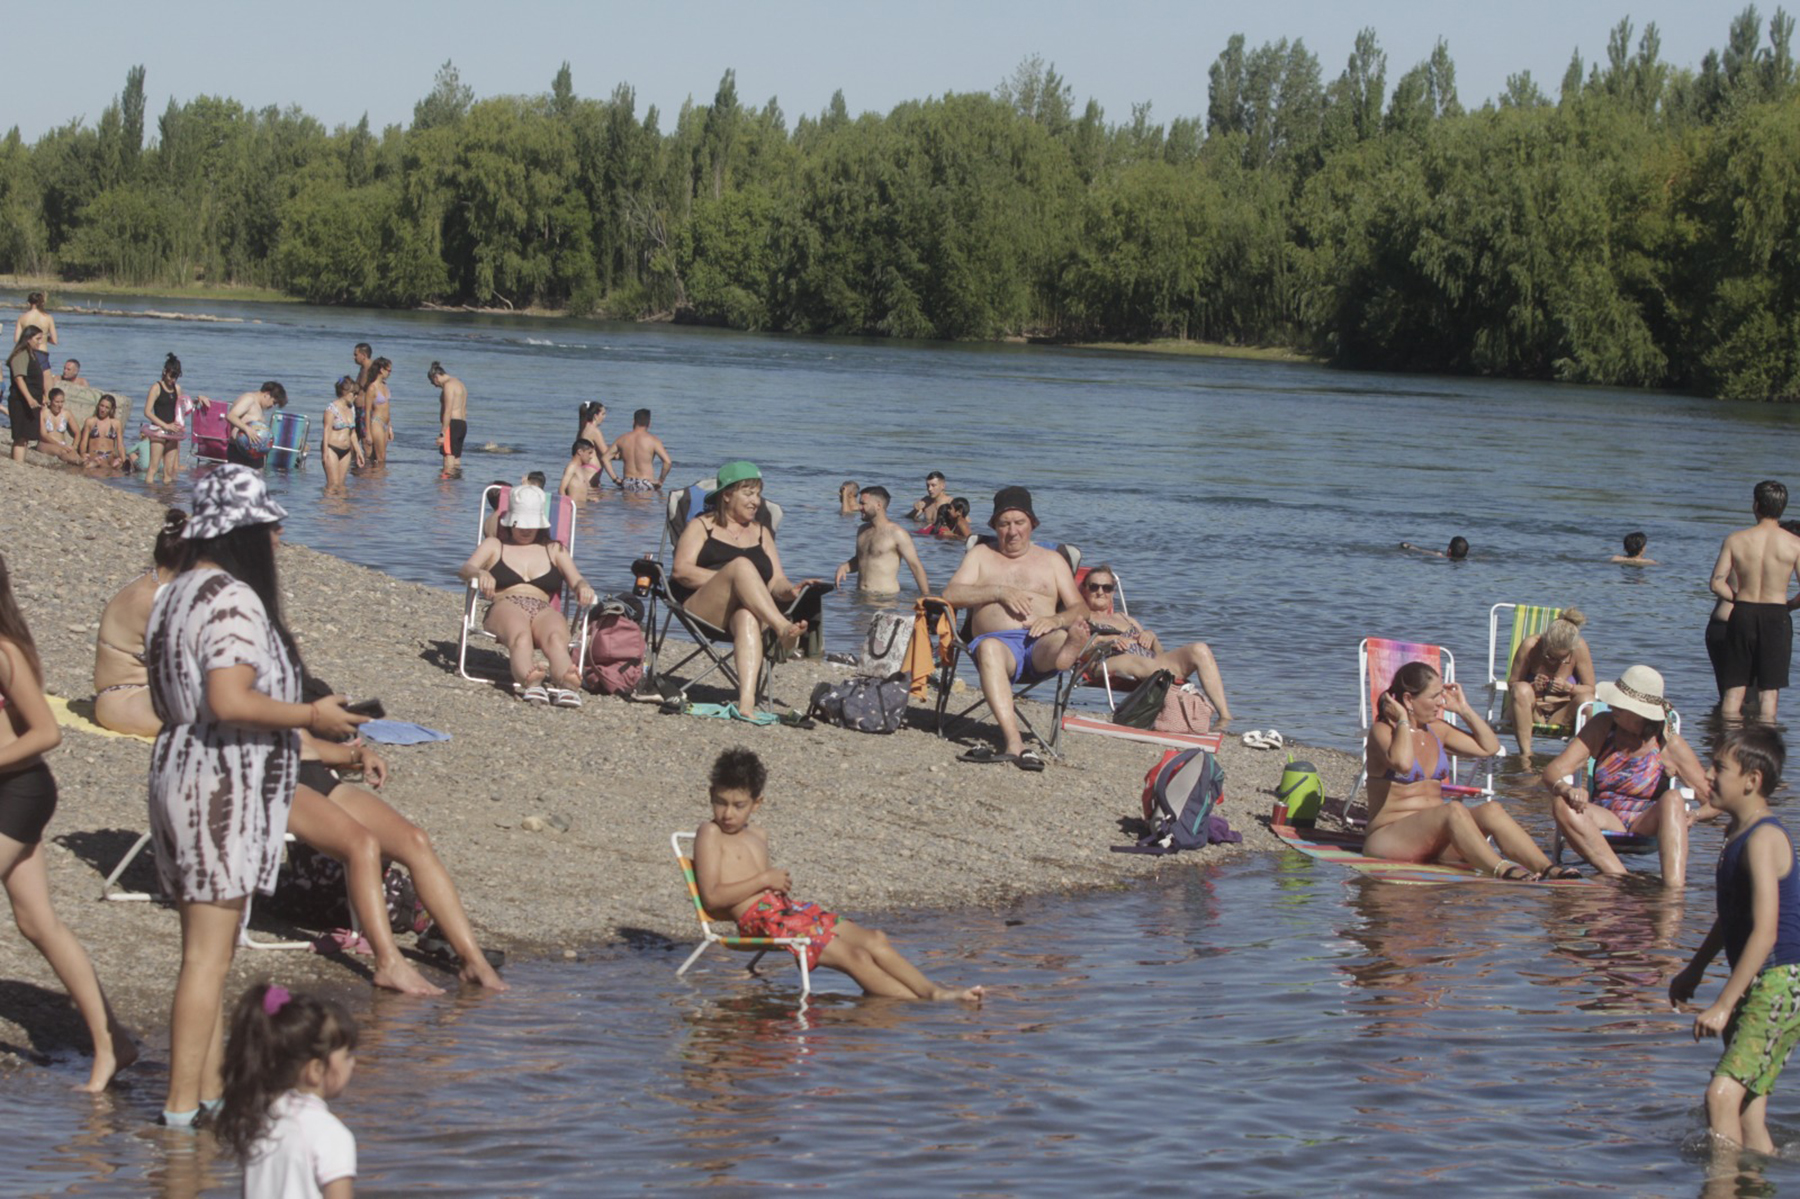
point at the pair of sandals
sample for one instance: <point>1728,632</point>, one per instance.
<point>731,712</point>
<point>986,755</point>
<point>538,693</point>
<point>1512,871</point>
<point>1263,739</point>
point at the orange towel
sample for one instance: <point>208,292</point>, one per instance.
<point>929,646</point>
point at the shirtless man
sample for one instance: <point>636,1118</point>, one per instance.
<point>34,314</point>
<point>453,416</point>
<point>363,355</point>
<point>636,451</point>
<point>247,419</point>
<point>1750,578</point>
<point>1028,619</point>
<point>880,545</point>
<point>935,496</point>
<point>71,373</point>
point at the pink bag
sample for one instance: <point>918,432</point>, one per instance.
<point>615,656</point>
<point>1184,710</point>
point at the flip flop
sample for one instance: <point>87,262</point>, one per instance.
<point>1255,739</point>
<point>759,719</point>
<point>1029,762</point>
<point>1558,872</point>
<point>562,697</point>
<point>984,755</point>
<point>1273,740</point>
<point>712,711</point>
<point>534,694</point>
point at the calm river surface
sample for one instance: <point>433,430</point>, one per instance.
<point>1261,1025</point>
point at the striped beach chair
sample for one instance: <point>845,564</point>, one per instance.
<point>1528,620</point>
<point>1377,660</point>
<point>710,937</point>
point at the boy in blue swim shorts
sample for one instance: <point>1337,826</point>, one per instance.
<point>1758,926</point>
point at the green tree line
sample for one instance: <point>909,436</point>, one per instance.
<point>1641,228</point>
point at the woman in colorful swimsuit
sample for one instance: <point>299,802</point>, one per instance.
<point>102,440</point>
<point>523,570</point>
<point>121,680</point>
<point>378,421</point>
<point>727,572</point>
<point>1638,761</point>
<point>1552,674</point>
<point>1409,752</point>
<point>338,442</point>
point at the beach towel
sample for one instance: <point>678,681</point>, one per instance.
<point>399,732</point>
<point>80,716</point>
<point>928,647</point>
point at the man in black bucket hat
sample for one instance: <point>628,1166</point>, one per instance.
<point>1026,615</point>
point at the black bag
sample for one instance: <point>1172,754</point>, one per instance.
<point>1140,709</point>
<point>868,705</point>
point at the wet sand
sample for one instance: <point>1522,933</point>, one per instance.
<point>865,823</point>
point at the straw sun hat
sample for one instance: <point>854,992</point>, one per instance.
<point>1639,690</point>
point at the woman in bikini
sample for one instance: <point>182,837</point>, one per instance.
<point>102,440</point>
<point>1638,761</point>
<point>1138,653</point>
<point>121,680</point>
<point>337,436</point>
<point>1552,674</point>
<point>53,430</point>
<point>522,570</point>
<point>378,423</point>
<point>165,422</point>
<point>584,467</point>
<point>1409,752</point>
<point>727,572</point>
<point>593,415</point>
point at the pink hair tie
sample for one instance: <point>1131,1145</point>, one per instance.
<point>275,998</point>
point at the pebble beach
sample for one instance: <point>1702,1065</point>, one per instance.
<point>866,824</point>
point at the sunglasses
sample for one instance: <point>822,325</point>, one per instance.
<point>1103,588</point>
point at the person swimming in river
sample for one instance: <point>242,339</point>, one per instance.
<point>732,871</point>
<point>1634,551</point>
<point>1409,750</point>
<point>1457,550</point>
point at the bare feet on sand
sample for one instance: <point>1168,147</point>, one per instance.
<point>790,636</point>
<point>109,1059</point>
<point>402,976</point>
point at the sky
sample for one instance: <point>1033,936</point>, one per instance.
<point>338,60</point>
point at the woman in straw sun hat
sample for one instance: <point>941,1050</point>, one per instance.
<point>1639,761</point>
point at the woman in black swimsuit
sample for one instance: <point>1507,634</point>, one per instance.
<point>728,573</point>
<point>337,438</point>
<point>522,570</point>
<point>163,424</point>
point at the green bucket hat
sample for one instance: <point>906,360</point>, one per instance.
<point>735,471</point>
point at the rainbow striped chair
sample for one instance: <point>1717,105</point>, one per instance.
<point>710,937</point>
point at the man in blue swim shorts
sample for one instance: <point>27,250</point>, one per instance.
<point>1028,619</point>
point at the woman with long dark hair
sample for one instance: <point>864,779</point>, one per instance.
<point>26,395</point>
<point>165,421</point>
<point>27,800</point>
<point>225,682</point>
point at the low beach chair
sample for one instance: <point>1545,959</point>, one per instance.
<point>111,890</point>
<point>562,531</point>
<point>709,938</point>
<point>962,633</point>
<point>1623,844</point>
<point>1097,675</point>
<point>208,432</point>
<point>680,507</point>
<point>1377,659</point>
<point>1528,620</point>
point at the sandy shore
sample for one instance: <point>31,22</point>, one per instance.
<point>865,823</point>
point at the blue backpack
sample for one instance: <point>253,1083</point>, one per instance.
<point>1190,778</point>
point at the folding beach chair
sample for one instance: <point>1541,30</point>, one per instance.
<point>680,507</point>
<point>756,945</point>
<point>1096,675</point>
<point>562,531</point>
<point>207,430</point>
<point>1528,620</point>
<point>962,633</point>
<point>1377,660</point>
<point>288,439</point>
<point>1623,844</point>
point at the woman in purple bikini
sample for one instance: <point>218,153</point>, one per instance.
<point>1638,762</point>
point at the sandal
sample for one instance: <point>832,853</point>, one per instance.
<point>537,693</point>
<point>1512,872</point>
<point>562,697</point>
<point>983,755</point>
<point>1029,762</point>
<point>1559,872</point>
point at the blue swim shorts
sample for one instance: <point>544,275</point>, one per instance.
<point>1019,641</point>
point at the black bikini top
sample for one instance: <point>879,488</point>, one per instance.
<point>550,582</point>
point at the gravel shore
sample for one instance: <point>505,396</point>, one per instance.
<point>864,823</point>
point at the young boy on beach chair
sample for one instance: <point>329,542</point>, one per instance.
<point>731,866</point>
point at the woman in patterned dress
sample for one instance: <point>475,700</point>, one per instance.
<point>225,681</point>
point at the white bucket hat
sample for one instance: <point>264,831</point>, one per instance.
<point>230,498</point>
<point>528,508</point>
<point>1639,690</point>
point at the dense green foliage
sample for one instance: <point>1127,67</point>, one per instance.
<point>1641,229</point>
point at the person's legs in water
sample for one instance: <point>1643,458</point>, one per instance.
<point>332,830</point>
<point>867,956</point>
<point>209,933</point>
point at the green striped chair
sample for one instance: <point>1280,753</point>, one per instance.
<point>1528,620</point>
<point>710,937</point>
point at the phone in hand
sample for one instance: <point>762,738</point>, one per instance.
<point>371,708</point>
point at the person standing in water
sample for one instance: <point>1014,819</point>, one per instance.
<point>453,416</point>
<point>1751,580</point>
<point>637,451</point>
<point>881,545</point>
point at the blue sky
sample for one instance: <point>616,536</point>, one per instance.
<point>337,60</point>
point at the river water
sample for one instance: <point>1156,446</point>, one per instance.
<point>1267,1024</point>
